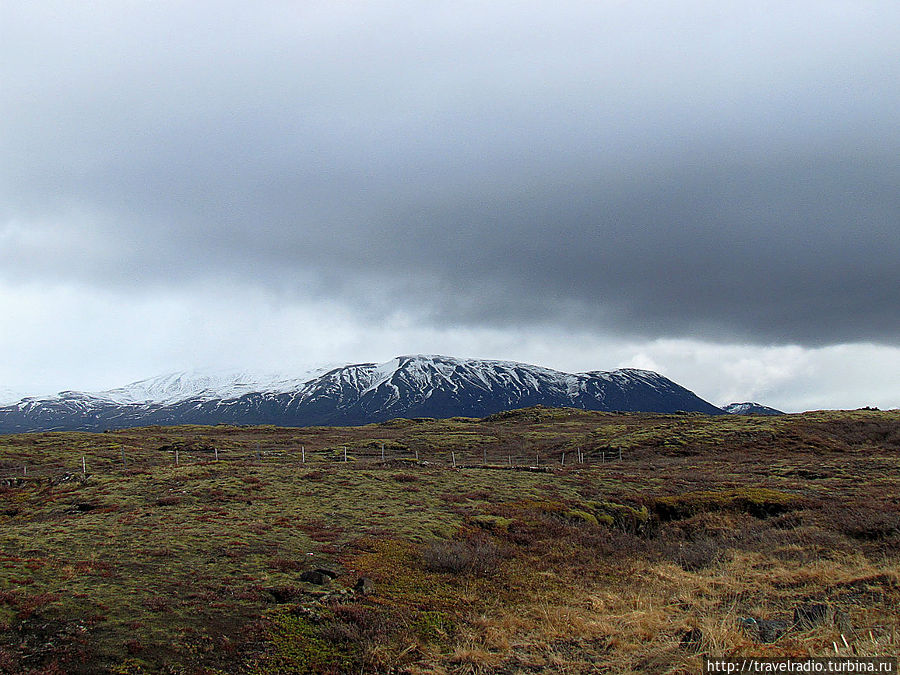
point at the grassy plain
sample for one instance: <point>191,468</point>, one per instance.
<point>711,535</point>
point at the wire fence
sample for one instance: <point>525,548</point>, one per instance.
<point>124,459</point>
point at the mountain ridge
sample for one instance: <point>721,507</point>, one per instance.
<point>407,386</point>
<point>750,408</point>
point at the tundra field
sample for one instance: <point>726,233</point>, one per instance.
<point>662,538</point>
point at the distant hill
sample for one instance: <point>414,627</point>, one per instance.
<point>749,408</point>
<point>407,386</point>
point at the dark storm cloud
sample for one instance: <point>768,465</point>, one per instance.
<point>724,172</point>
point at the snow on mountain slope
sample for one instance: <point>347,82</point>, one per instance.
<point>205,385</point>
<point>750,408</point>
<point>174,387</point>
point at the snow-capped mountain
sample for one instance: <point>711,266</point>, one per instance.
<point>750,408</point>
<point>407,386</point>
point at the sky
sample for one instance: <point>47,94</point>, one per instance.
<point>710,190</point>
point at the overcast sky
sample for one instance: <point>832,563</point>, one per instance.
<point>707,189</point>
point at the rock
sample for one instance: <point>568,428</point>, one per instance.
<point>810,614</point>
<point>284,594</point>
<point>771,630</point>
<point>327,572</point>
<point>66,477</point>
<point>364,586</point>
<point>317,577</point>
<point>748,624</point>
<point>690,639</point>
<point>307,613</point>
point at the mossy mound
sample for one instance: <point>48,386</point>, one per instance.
<point>584,516</point>
<point>490,522</point>
<point>609,514</point>
<point>758,502</point>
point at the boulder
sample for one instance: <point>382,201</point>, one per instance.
<point>284,594</point>
<point>364,586</point>
<point>317,577</point>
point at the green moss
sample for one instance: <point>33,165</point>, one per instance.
<point>389,445</point>
<point>621,515</point>
<point>432,626</point>
<point>542,506</point>
<point>584,516</point>
<point>492,522</point>
<point>297,647</point>
<point>606,519</point>
<point>453,439</point>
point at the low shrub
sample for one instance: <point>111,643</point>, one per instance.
<point>867,524</point>
<point>157,603</point>
<point>405,478</point>
<point>360,622</point>
<point>695,555</point>
<point>285,564</point>
<point>478,556</point>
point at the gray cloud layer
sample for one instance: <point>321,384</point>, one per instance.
<point>724,171</point>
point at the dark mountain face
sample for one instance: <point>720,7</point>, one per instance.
<point>409,386</point>
<point>750,408</point>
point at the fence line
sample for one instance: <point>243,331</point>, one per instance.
<point>123,459</point>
